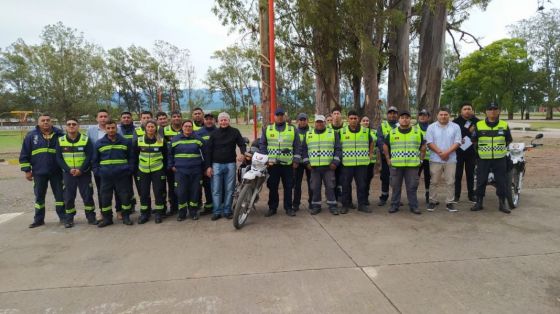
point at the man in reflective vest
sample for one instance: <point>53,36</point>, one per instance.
<point>73,154</point>
<point>280,143</point>
<point>204,133</point>
<point>38,160</point>
<point>404,151</point>
<point>375,159</point>
<point>492,137</point>
<point>113,161</point>
<point>337,125</point>
<point>168,132</point>
<point>197,118</point>
<point>357,151</point>
<point>301,131</point>
<point>382,132</point>
<point>321,153</point>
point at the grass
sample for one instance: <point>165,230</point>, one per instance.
<point>544,125</point>
<point>10,141</point>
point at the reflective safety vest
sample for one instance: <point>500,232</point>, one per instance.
<point>320,147</point>
<point>373,134</point>
<point>386,128</point>
<point>169,133</point>
<point>428,150</point>
<point>73,153</point>
<point>491,141</point>
<point>405,148</point>
<point>139,132</point>
<point>196,127</point>
<point>280,144</point>
<point>355,147</point>
<point>151,156</point>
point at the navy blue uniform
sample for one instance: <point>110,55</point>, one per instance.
<point>204,133</point>
<point>38,155</point>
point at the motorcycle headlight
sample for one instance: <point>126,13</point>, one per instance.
<point>516,152</point>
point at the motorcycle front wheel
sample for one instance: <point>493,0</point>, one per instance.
<point>242,206</point>
<point>515,187</point>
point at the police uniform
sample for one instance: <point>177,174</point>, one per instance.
<point>76,154</point>
<point>298,175</point>
<point>356,146</point>
<point>151,158</point>
<point>38,154</point>
<point>279,142</point>
<point>204,133</point>
<point>384,130</point>
<point>319,150</point>
<point>404,147</point>
<point>113,161</point>
<point>372,162</point>
<point>492,141</point>
<point>169,133</point>
<point>186,155</point>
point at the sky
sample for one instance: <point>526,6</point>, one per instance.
<point>191,24</point>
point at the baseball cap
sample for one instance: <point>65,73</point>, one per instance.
<point>492,105</point>
<point>302,116</point>
<point>279,111</point>
<point>209,115</point>
<point>423,112</point>
<point>320,117</point>
<point>392,108</point>
<point>404,112</point>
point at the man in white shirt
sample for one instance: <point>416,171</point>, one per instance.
<point>443,138</point>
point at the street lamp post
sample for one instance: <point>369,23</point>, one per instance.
<point>272,56</point>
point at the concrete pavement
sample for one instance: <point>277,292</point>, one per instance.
<point>440,262</point>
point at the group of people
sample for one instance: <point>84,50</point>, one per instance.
<point>180,160</point>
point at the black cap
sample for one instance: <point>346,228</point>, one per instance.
<point>423,112</point>
<point>209,115</point>
<point>492,105</point>
<point>404,112</point>
<point>279,112</point>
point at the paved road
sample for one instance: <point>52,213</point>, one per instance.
<point>485,262</point>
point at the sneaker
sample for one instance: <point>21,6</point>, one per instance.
<point>451,208</point>
<point>431,207</point>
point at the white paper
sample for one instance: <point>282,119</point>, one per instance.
<point>467,143</point>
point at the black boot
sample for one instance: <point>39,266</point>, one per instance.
<point>182,214</point>
<point>427,194</point>
<point>158,217</point>
<point>126,219</point>
<point>143,218</point>
<point>271,212</point>
<point>69,221</point>
<point>194,214</point>
<point>107,220</point>
<point>478,205</point>
<point>90,216</point>
<point>504,208</point>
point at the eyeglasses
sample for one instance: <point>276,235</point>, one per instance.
<point>71,124</point>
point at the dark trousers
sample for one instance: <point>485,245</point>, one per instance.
<point>117,200</point>
<point>207,188</point>
<point>325,176</point>
<point>338,179</point>
<point>285,173</point>
<point>369,177</point>
<point>468,162</point>
<point>71,186</point>
<point>122,188</point>
<point>298,175</point>
<point>359,175</point>
<point>170,193</point>
<point>40,185</point>
<point>187,188</point>
<point>156,180</point>
<point>97,180</point>
<point>425,168</point>
<point>385,178</point>
<point>483,167</point>
<point>410,178</point>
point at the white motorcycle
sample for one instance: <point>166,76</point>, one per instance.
<point>252,179</point>
<point>516,169</point>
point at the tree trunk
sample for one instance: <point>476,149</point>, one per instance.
<point>265,62</point>
<point>399,41</point>
<point>370,44</point>
<point>327,93</point>
<point>510,114</point>
<point>430,59</point>
<point>356,92</point>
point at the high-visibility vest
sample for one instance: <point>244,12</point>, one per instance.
<point>73,154</point>
<point>386,128</point>
<point>355,147</point>
<point>428,150</point>
<point>169,133</point>
<point>151,156</point>
<point>280,144</point>
<point>140,132</point>
<point>373,134</point>
<point>196,127</point>
<point>320,147</point>
<point>491,141</point>
<point>405,148</point>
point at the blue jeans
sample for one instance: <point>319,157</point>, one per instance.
<point>223,183</point>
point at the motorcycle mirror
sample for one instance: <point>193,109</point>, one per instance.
<point>538,136</point>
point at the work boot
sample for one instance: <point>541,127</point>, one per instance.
<point>182,214</point>
<point>478,205</point>
<point>194,214</point>
<point>364,209</point>
<point>271,212</point>
<point>345,209</point>
<point>90,216</point>
<point>296,208</point>
<point>106,221</point>
<point>393,209</point>
<point>415,211</point>
<point>504,208</point>
<point>126,219</point>
<point>290,212</point>
<point>158,218</point>
<point>314,210</point>
<point>69,221</point>
<point>142,219</point>
<point>36,224</point>
<point>334,210</point>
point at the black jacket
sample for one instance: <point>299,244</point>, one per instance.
<point>220,147</point>
<point>465,126</point>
